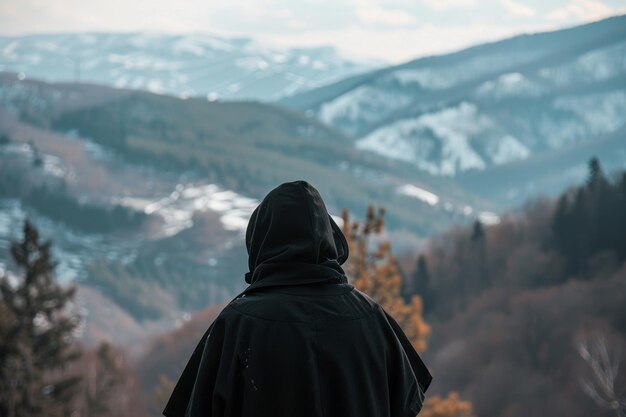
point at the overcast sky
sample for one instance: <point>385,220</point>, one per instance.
<point>394,30</point>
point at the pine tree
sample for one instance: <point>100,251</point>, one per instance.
<point>479,252</point>
<point>35,334</point>
<point>478,232</point>
<point>596,175</point>
<point>421,279</point>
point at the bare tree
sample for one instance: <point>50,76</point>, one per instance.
<point>604,369</point>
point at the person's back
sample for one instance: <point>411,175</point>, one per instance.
<point>300,340</point>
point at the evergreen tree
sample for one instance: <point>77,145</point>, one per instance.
<point>35,334</point>
<point>621,224</point>
<point>421,280</point>
<point>477,232</point>
<point>596,175</point>
<point>479,252</point>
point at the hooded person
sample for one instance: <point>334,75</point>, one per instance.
<point>300,341</point>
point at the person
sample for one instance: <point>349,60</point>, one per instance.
<point>300,341</point>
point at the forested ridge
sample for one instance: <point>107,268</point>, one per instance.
<point>529,316</point>
<point>53,198</point>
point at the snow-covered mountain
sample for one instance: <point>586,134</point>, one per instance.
<point>183,65</point>
<point>487,106</point>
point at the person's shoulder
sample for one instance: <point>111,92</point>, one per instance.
<point>241,303</point>
<point>302,307</point>
<point>367,299</point>
<point>251,305</point>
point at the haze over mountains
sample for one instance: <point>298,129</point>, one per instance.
<point>205,65</point>
<point>437,141</point>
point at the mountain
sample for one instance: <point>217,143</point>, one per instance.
<point>146,197</point>
<point>205,65</point>
<point>487,112</point>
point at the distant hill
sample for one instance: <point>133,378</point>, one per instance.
<point>156,191</point>
<point>205,65</point>
<point>521,102</point>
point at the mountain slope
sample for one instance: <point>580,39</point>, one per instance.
<point>191,172</point>
<point>184,65</point>
<point>487,106</point>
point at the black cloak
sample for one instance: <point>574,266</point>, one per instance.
<point>300,341</point>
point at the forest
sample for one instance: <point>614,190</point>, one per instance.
<point>540,297</point>
<point>521,318</point>
<point>52,197</point>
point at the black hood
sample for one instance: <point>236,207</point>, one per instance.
<point>290,235</point>
<point>291,240</point>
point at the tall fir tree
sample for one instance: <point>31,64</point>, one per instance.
<point>421,281</point>
<point>36,334</point>
<point>595,175</point>
<point>480,273</point>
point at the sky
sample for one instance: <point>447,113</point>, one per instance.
<point>392,31</point>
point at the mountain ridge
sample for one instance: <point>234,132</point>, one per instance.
<point>483,107</point>
<point>196,64</point>
<point>295,100</point>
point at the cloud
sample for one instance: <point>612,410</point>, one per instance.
<point>581,10</point>
<point>378,15</point>
<point>517,9</point>
<point>447,4</point>
<point>392,30</point>
<point>402,44</point>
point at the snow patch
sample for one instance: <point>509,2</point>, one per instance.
<point>596,65</point>
<point>583,116</point>
<point>438,78</point>
<point>510,84</point>
<point>177,208</point>
<point>601,112</point>
<point>453,127</point>
<point>363,104</point>
<point>155,86</point>
<point>506,150</point>
<point>419,193</point>
<point>188,45</point>
<point>488,218</point>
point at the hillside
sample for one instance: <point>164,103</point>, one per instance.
<point>485,113</point>
<point>529,315</point>
<point>203,65</point>
<point>161,365</point>
<point>146,196</point>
